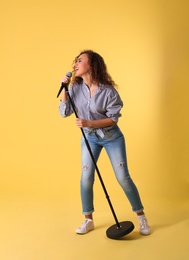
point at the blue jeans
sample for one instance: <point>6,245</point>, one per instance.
<point>114,144</point>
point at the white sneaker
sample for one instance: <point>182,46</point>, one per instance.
<point>87,226</point>
<point>143,225</point>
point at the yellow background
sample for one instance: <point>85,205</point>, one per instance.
<point>145,46</point>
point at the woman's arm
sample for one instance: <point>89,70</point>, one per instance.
<point>65,80</point>
<point>95,123</point>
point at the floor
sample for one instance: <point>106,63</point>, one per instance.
<point>44,229</point>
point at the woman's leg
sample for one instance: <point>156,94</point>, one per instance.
<point>87,174</point>
<point>116,151</point>
<point>87,181</point>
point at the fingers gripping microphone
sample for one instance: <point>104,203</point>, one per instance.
<point>63,85</point>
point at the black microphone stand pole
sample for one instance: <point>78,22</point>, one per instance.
<point>120,228</point>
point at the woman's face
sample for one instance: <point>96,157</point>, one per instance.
<point>81,66</point>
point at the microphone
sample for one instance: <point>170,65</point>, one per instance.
<point>63,85</point>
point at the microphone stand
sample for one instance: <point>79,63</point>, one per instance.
<point>120,228</point>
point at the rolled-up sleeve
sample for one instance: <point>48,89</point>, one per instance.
<point>114,106</point>
<point>65,108</point>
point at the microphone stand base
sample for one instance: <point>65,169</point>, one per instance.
<point>115,232</point>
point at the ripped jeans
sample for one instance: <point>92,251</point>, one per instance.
<point>114,144</point>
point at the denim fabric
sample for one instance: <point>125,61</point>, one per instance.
<point>114,143</point>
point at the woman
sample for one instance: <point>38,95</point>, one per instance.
<point>98,106</point>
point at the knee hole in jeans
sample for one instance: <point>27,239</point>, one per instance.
<point>85,167</point>
<point>121,164</point>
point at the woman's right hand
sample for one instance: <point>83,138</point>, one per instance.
<point>65,79</point>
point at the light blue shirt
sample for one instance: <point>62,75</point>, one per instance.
<point>106,103</point>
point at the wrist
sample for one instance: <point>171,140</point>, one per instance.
<point>90,124</point>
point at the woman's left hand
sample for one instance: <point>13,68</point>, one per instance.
<point>82,122</point>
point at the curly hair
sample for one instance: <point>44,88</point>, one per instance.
<point>98,67</point>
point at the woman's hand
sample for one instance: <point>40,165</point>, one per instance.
<point>65,79</point>
<point>95,123</point>
<point>82,122</point>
